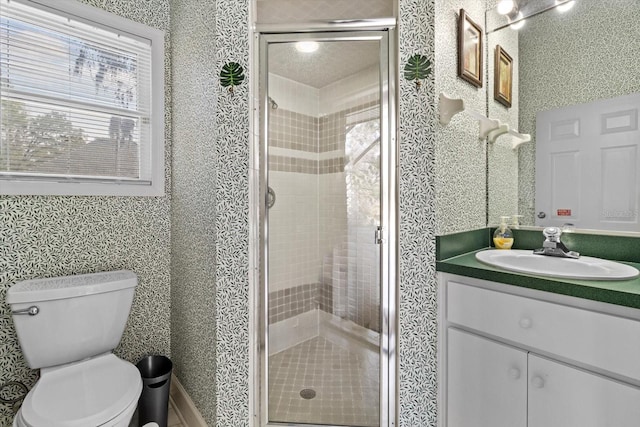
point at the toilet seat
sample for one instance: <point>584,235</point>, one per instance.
<point>88,393</point>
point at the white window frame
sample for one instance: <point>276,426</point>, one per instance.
<point>110,22</point>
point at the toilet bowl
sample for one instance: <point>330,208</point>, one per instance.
<point>102,391</point>
<point>78,321</point>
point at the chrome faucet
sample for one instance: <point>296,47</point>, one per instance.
<point>552,246</point>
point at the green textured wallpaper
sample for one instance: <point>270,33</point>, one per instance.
<point>193,25</point>
<point>52,236</point>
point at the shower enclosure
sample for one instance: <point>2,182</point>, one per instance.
<point>327,261</point>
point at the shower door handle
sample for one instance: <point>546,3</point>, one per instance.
<point>378,235</point>
<point>271,197</point>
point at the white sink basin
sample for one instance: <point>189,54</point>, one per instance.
<point>583,268</point>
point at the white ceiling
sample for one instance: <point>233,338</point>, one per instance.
<point>331,62</point>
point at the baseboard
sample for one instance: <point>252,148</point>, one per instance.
<point>184,405</point>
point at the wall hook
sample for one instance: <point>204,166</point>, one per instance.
<point>232,74</point>
<point>495,133</point>
<point>488,128</point>
<point>417,68</point>
<point>520,138</point>
<point>449,107</point>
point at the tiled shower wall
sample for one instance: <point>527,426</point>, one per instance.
<point>351,257</point>
<point>316,259</point>
<point>293,219</point>
<point>295,258</point>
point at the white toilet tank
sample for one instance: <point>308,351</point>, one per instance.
<point>77,316</point>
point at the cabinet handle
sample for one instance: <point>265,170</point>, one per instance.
<point>525,323</point>
<point>514,373</point>
<point>537,382</point>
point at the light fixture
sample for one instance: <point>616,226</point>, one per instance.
<point>520,18</point>
<point>565,6</point>
<point>505,6</point>
<point>307,46</point>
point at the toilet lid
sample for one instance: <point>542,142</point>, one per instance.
<point>88,393</point>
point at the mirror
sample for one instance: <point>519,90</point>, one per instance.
<point>585,54</point>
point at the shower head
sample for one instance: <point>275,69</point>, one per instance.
<point>274,105</point>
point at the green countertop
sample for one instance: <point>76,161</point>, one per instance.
<point>619,292</point>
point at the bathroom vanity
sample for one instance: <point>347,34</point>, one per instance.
<point>518,350</point>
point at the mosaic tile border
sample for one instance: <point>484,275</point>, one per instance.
<point>334,165</point>
<point>293,164</point>
<point>287,303</point>
<point>293,131</point>
<point>289,129</point>
<point>307,166</point>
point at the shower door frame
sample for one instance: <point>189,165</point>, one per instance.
<point>382,30</point>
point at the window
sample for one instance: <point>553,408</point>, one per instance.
<point>362,172</point>
<point>82,101</point>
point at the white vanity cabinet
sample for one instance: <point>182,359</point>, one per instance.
<point>563,396</point>
<point>514,357</point>
<point>487,382</point>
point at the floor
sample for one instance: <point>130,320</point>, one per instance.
<point>345,383</point>
<point>174,418</point>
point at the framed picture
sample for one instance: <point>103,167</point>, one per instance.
<point>469,50</point>
<point>503,77</point>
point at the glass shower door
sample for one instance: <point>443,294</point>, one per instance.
<point>323,295</point>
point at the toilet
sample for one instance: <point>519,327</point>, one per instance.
<point>68,327</point>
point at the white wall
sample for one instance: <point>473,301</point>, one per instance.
<point>348,92</point>
<point>293,231</point>
<point>294,96</point>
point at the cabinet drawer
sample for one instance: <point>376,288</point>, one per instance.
<point>600,340</point>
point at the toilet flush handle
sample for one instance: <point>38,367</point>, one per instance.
<point>31,311</point>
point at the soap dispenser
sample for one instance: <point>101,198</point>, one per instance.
<point>515,221</point>
<point>503,236</point>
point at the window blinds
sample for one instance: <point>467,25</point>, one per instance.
<point>76,98</point>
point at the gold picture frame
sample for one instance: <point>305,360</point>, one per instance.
<point>470,48</point>
<point>503,77</point>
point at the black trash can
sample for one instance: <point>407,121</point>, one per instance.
<point>153,405</point>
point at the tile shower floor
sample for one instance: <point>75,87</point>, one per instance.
<point>345,382</point>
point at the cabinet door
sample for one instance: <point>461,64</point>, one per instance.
<point>562,396</point>
<point>486,382</point>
